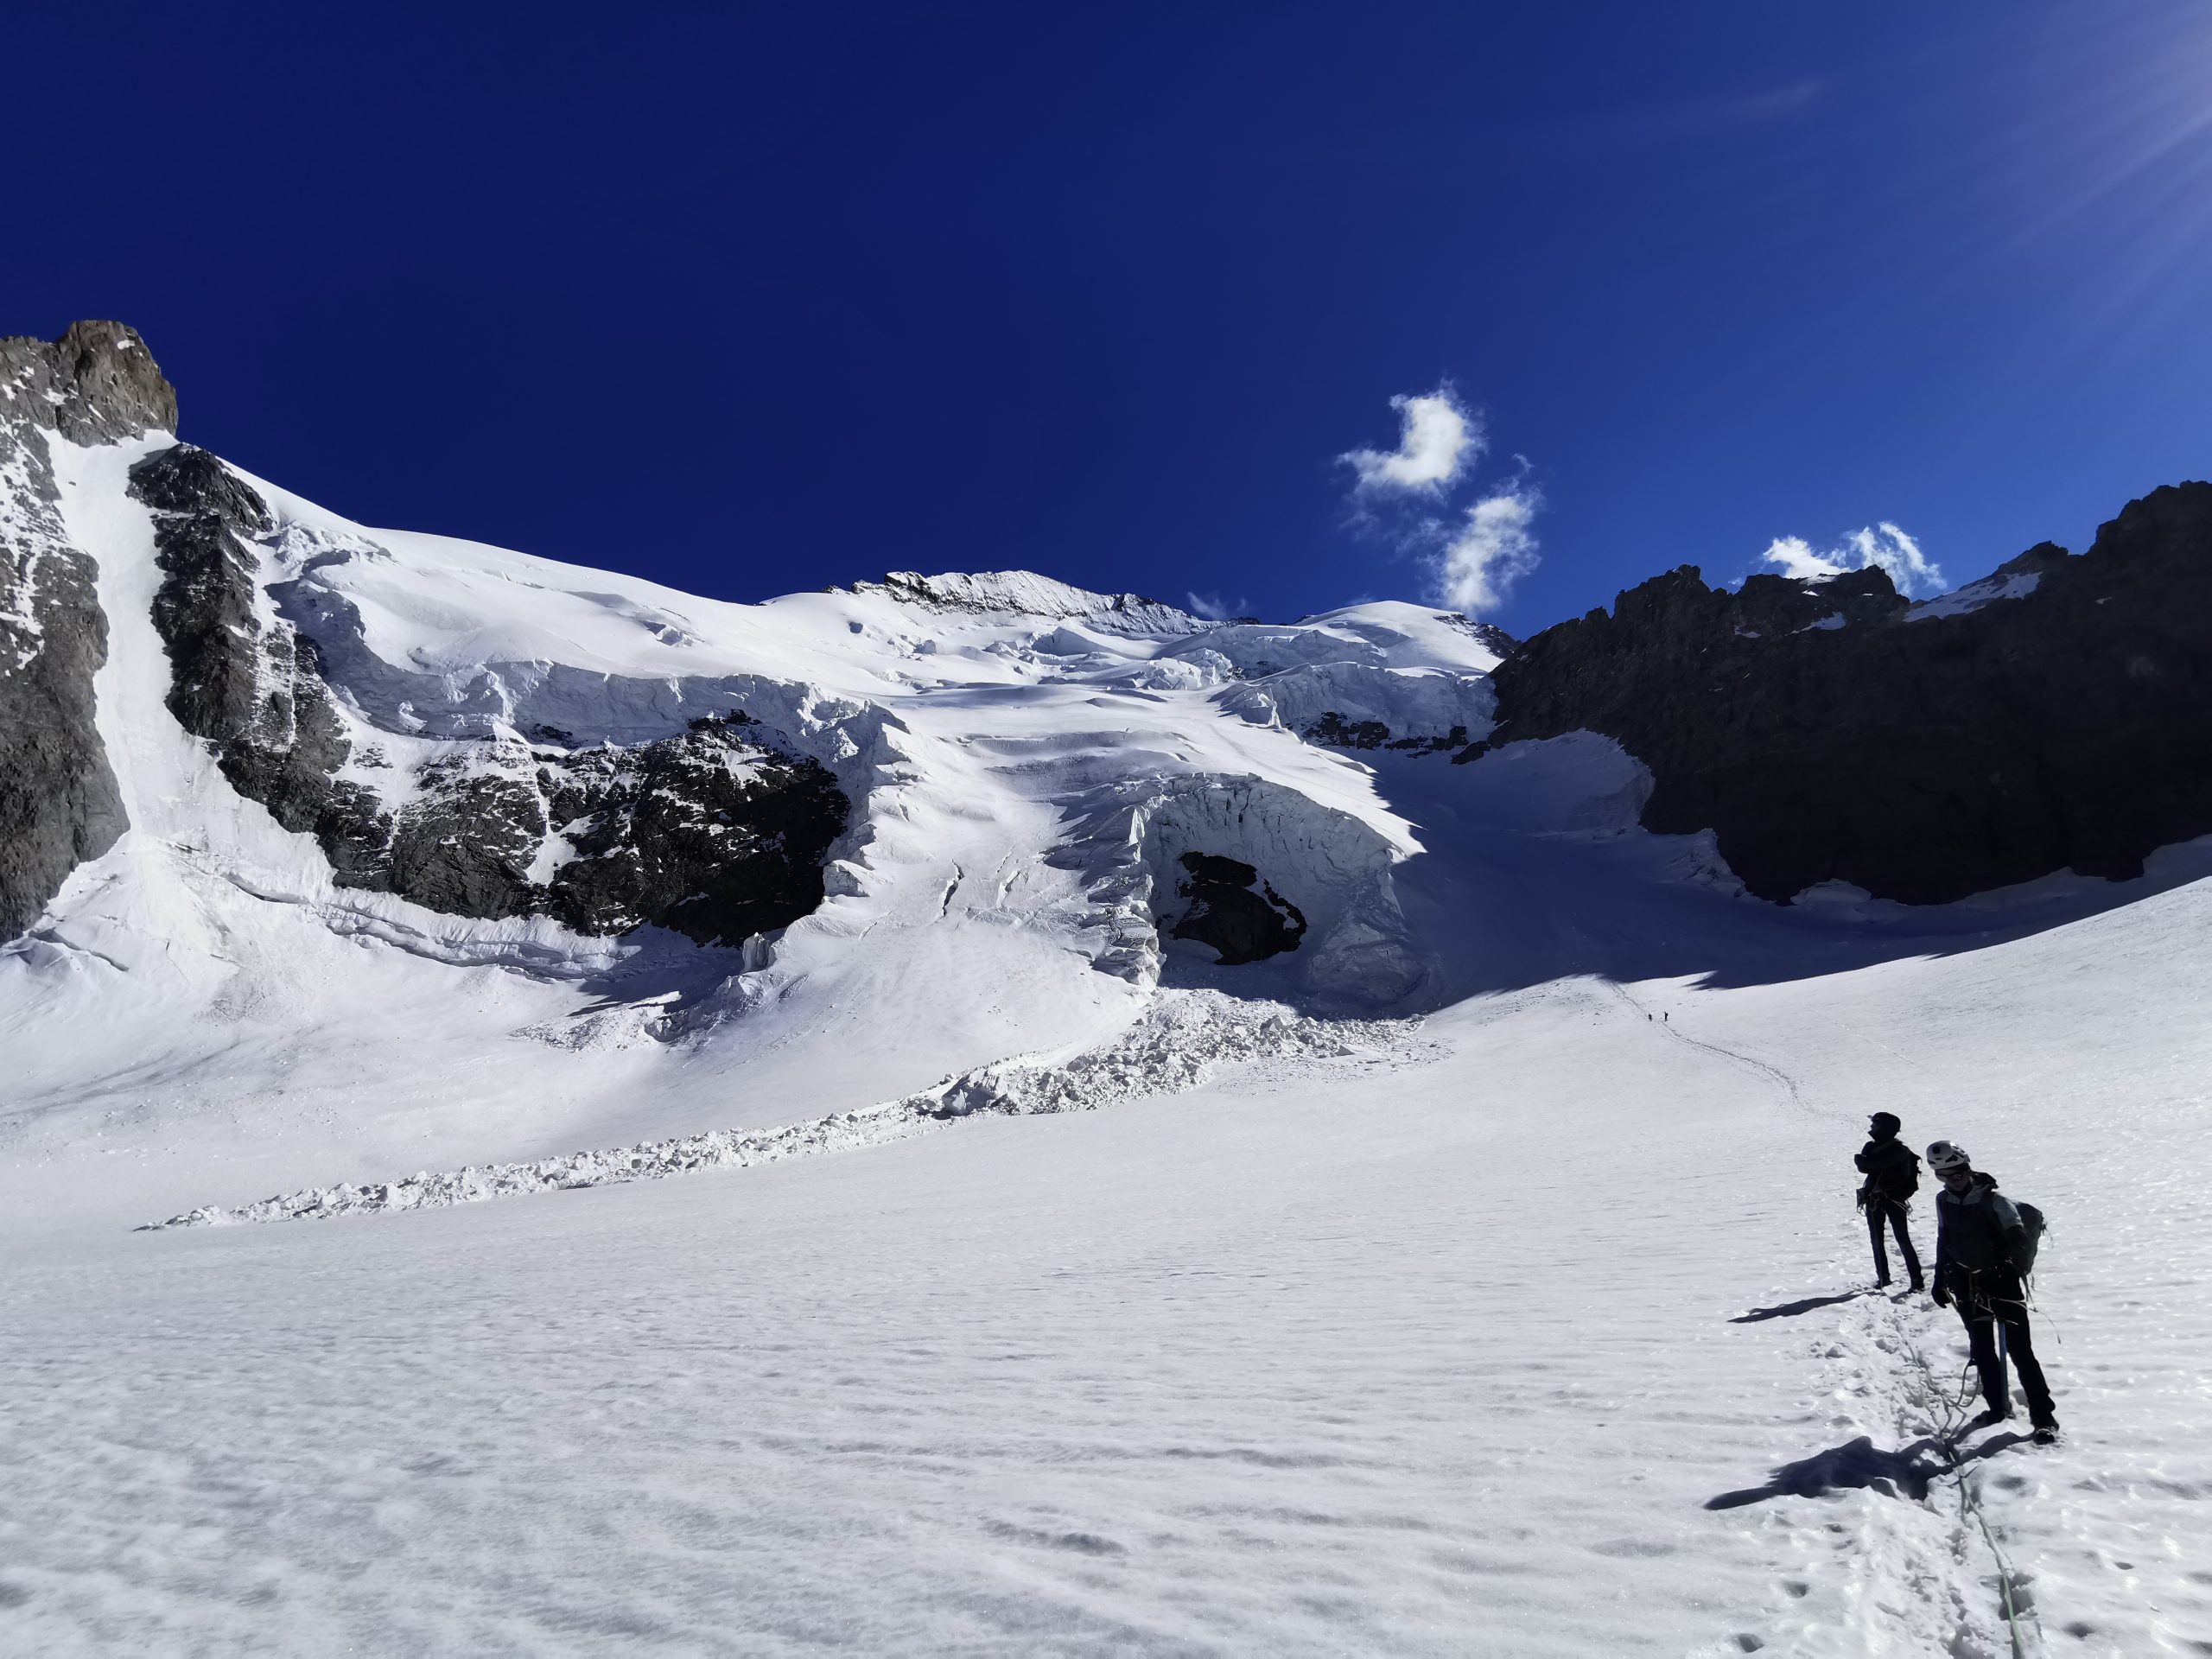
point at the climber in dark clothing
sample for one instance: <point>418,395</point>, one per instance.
<point>1979,1243</point>
<point>1893,1173</point>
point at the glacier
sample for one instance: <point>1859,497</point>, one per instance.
<point>966,1262</point>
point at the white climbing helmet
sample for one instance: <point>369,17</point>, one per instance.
<point>1944,1156</point>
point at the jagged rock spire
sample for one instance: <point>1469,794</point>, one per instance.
<point>97,382</point>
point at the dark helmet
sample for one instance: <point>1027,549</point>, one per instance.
<point>1885,1123</point>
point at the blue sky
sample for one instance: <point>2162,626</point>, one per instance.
<point>749,300</point>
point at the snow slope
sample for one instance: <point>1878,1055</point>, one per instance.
<point>1442,1355</point>
<point>967,1270</point>
<point>1023,784</point>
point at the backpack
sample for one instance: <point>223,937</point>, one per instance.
<point>1897,1182</point>
<point>2031,1230</point>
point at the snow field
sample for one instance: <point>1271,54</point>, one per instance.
<point>1308,1360</point>
<point>1299,1364</point>
<point>2070,1064</point>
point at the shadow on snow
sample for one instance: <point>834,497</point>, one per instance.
<point>1906,1472</point>
<point>1790,1310</point>
<point>1534,871</point>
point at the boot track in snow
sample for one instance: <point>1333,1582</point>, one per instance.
<point>1921,1525</point>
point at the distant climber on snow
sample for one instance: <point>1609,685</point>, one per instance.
<point>1893,1173</point>
<point>1985,1248</point>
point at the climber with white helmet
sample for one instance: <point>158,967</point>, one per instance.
<point>1983,1251</point>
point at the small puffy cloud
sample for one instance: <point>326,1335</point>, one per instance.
<point>1438,438</point>
<point>1214,608</point>
<point>1882,544</point>
<point>1794,556</point>
<point>1490,550</point>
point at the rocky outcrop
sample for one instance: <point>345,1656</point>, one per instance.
<point>245,681</point>
<point>1235,912</point>
<point>712,834</point>
<point>96,384</point>
<point>466,844</point>
<point>716,832</point>
<point>59,803</point>
<point>2057,716</point>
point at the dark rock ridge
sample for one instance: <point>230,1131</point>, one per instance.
<point>714,833</point>
<point>1243,918</point>
<point>2057,716</point>
<point>247,683</point>
<point>59,803</point>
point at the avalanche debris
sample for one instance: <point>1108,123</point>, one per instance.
<point>1181,1039</point>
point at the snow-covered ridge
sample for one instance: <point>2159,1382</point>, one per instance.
<point>2015,579</point>
<point>1024,592</point>
<point>1383,633</point>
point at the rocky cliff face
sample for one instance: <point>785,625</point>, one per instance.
<point>2055,715</point>
<point>97,382</point>
<point>244,680</point>
<point>58,803</point>
<point>716,832</point>
<point>712,834</point>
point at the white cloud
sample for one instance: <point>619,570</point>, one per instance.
<point>1214,608</point>
<point>1438,438</point>
<point>1898,554</point>
<point>1794,556</point>
<point>1882,544</point>
<point>1473,553</point>
<point>1491,550</point>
